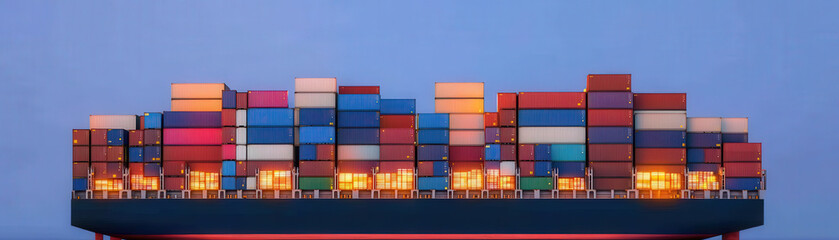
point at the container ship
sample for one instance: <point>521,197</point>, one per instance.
<point>345,163</point>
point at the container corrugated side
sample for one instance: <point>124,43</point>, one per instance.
<point>559,135</point>
<point>568,152</point>
<point>466,121</point>
<point>704,124</point>
<point>552,100</point>
<point>660,101</point>
<point>314,100</point>
<point>358,102</point>
<point>610,152</point>
<point>265,152</point>
<point>358,152</point>
<point>735,125</point>
<point>191,153</point>
<point>459,90</point>
<point>358,119</point>
<point>660,120</point>
<point>433,121</point>
<point>466,137</point>
<point>127,122</point>
<point>198,90</point>
<point>196,105</point>
<point>609,82</point>
<point>192,136</point>
<point>459,105</point>
<point>552,118</point>
<point>316,85</point>
<point>268,99</point>
<point>609,100</point>
<point>270,117</point>
<point>314,117</point>
<point>398,106</point>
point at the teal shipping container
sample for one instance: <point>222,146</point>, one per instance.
<point>568,152</point>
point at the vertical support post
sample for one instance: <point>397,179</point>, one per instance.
<point>731,236</point>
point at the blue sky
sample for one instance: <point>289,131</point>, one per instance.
<point>772,61</point>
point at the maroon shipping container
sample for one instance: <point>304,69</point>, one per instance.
<point>228,117</point>
<point>151,169</point>
<point>507,101</point>
<point>81,137</point>
<point>661,168</point>
<point>98,153</point>
<point>115,154</point>
<point>610,152</point>
<point>205,167</point>
<point>425,168</point>
<point>253,167</point>
<point>466,153</point>
<point>397,136</point>
<point>80,169</point>
<point>135,138</point>
<point>241,100</point>
<point>81,154</point>
<point>660,101</point>
<point>528,169</point>
<point>142,121</point>
<point>611,169</point>
<point>267,99</point>
<point>135,169</point>
<point>358,90</point>
<point>741,152</point>
<point>552,100</point>
<point>357,166</point>
<point>742,169</point>
<point>242,168</point>
<point>507,118</point>
<point>610,117</point>
<point>395,166</point>
<point>665,156</point>
<point>325,152</point>
<point>106,170</point>
<point>526,152</point>
<point>397,152</point>
<point>228,135</point>
<point>173,183</point>
<point>99,137</point>
<point>316,169</point>
<point>613,183</point>
<point>191,153</point>
<point>508,135</point>
<point>609,83</point>
<point>396,121</point>
<point>508,152</point>
<point>712,155</point>
<point>174,168</point>
<point>466,166</point>
<point>152,137</point>
<point>490,119</point>
<point>492,135</point>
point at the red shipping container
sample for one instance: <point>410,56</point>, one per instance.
<point>490,119</point>
<point>552,100</point>
<point>228,152</point>
<point>192,136</point>
<point>228,117</point>
<point>253,167</point>
<point>98,153</point>
<point>660,101</point>
<point>358,90</point>
<point>106,170</point>
<point>316,169</point>
<point>609,83</point>
<point>173,183</point>
<point>357,166</point>
<point>142,121</point>
<point>425,168</point>
<point>228,135</point>
<point>466,166</point>
<point>241,100</point>
<point>664,156</point>
<point>507,101</point>
<point>508,152</point>
<point>80,169</point>
<point>115,154</point>
<point>397,152</point>
<point>135,169</point>
<point>613,183</point>
<point>81,154</point>
<point>152,137</point>
<point>610,152</point>
<point>395,166</point>
<point>325,152</point>
<point>99,137</point>
<point>396,121</point>
<point>741,152</point>
<point>81,137</point>
<point>742,169</point>
<point>174,168</point>
<point>205,167</point>
<point>610,117</point>
<point>151,169</point>
<point>528,169</point>
<point>508,135</point>
<point>679,169</point>
<point>527,152</point>
<point>191,153</point>
<point>135,138</point>
<point>267,99</point>
<point>397,136</point>
<point>242,168</point>
<point>712,155</point>
<point>611,169</point>
<point>466,153</point>
<point>507,118</point>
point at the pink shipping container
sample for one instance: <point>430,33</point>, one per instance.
<point>316,169</point>
<point>191,153</point>
<point>397,136</point>
<point>267,99</point>
<point>610,152</point>
<point>397,152</point>
<point>742,169</point>
<point>81,137</point>
<point>552,100</point>
<point>466,153</point>
<point>192,136</point>
<point>228,152</point>
<point>135,138</point>
<point>611,169</point>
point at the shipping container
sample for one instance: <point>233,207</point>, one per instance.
<point>228,117</point>
<point>733,125</point>
<point>552,118</point>
<point>117,137</point>
<point>508,135</point>
<point>610,117</point>
<point>358,90</point>
<point>660,139</point>
<point>552,135</point>
<point>492,152</point>
<point>397,136</point>
<point>192,136</point>
<point>609,83</point>
<point>97,154</point>
<point>508,118</point>
<point>612,183</point>
<point>174,168</point>
<point>492,135</point>
<point>610,100</point>
<point>459,105</point>
<point>742,169</point>
<point>127,122</point>
<point>660,101</point>
<point>80,169</point>
<point>241,100</point>
<point>432,152</point>
<point>192,153</point>
<point>735,137</point>
<point>316,169</point>
<point>152,137</point>
<point>358,152</point>
<point>542,152</point>
<point>327,85</point>
<point>228,135</point>
<point>459,90</point>
<point>660,120</point>
<point>610,152</point>
<point>552,100</point>
<point>198,90</point>
<point>255,167</point>
<point>741,152</point>
<point>507,101</point>
<point>490,119</point>
<point>307,152</point>
<point>267,99</point>
<point>396,166</point>
<point>151,170</point>
<point>314,100</point>
<point>704,140</point>
<point>704,167</point>
<point>466,137</point>
<point>535,169</point>
<point>81,154</point>
<point>242,166</point>
<point>398,106</point>
<point>397,121</point>
<point>135,154</point>
<point>241,152</point>
<point>466,121</point>
<point>81,137</point>
<point>102,170</point>
<point>677,169</point>
<point>704,125</point>
<point>314,117</point>
<point>357,136</point>
<point>326,152</point>
<point>241,117</point>
<point>270,152</point>
<point>568,152</point>
<point>228,168</point>
<point>358,119</point>
<point>317,135</point>
<point>432,183</point>
<point>358,102</point>
<point>397,152</point>
<point>508,152</point>
<point>114,154</point>
<point>270,117</point>
<point>536,183</point>
<point>432,121</point>
<point>611,169</point>
<point>527,152</point>
<point>742,183</point>
<point>569,169</point>
<point>196,105</point>
<point>433,136</point>
<point>357,166</point>
<point>432,168</point>
<point>270,135</point>
<point>508,168</point>
<point>173,183</point>
<point>153,120</point>
<point>228,99</point>
<point>704,155</point>
<point>228,152</point>
<point>466,153</point>
<point>315,183</point>
<point>228,183</point>
<point>241,135</point>
<point>98,137</point>
<point>191,119</point>
<point>654,156</point>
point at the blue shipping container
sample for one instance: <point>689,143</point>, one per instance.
<point>153,120</point>
<point>568,152</point>
<point>357,136</point>
<point>433,121</point>
<point>117,137</point>
<point>432,152</point>
<point>704,140</point>
<point>610,135</point>
<point>570,169</point>
<point>228,183</point>
<point>433,183</point>
<point>742,183</point>
<point>542,169</point>
<point>704,167</point>
<point>358,119</point>
<point>316,117</point>
<point>358,102</point>
<point>228,168</point>
<point>135,154</point>
<point>151,169</point>
<point>241,183</point>
<point>308,152</point>
<point>735,137</point>
<point>552,118</point>
<point>79,184</point>
<point>270,135</point>
<point>440,168</point>
<point>433,136</point>
<point>317,135</point>
<point>191,119</point>
<point>228,99</point>
<point>151,154</point>
<point>398,106</point>
<point>659,139</point>
<point>492,152</point>
<point>270,117</point>
<point>542,152</point>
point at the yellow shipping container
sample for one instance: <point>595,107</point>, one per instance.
<point>197,90</point>
<point>459,90</point>
<point>196,105</point>
<point>459,105</point>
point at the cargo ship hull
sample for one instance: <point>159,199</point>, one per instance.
<point>416,218</point>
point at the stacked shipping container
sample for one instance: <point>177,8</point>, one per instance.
<point>315,104</point>
<point>610,129</point>
<point>704,140</point>
<point>358,136</point>
<point>463,102</point>
<point>660,124</point>
<point>108,148</point>
<point>81,159</point>
<point>742,161</point>
<point>501,142</point>
<point>432,151</point>
<point>397,151</point>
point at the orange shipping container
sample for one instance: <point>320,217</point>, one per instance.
<point>198,90</point>
<point>196,105</point>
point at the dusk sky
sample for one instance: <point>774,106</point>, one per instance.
<point>772,61</point>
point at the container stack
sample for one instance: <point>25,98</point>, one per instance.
<point>500,149</point>
<point>433,151</point>
<point>610,129</point>
<point>704,140</point>
<point>397,152</point>
<point>660,140</point>
<point>108,150</point>
<point>228,137</point>
<point>143,157</point>
<point>81,159</point>
<point>464,102</point>
<point>315,104</point>
<point>735,130</point>
<point>551,121</point>
<point>358,136</point>
<point>270,142</point>
<point>742,162</point>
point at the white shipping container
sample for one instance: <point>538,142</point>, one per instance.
<point>473,105</point>
<point>459,90</point>
<point>466,138</point>
<point>466,121</point>
<point>660,120</point>
<point>127,122</point>
<point>508,168</point>
<point>241,152</point>
<point>314,100</point>
<point>735,125</point>
<point>321,85</point>
<point>358,152</point>
<point>270,152</point>
<point>241,118</point>
<point>197,90</point>
<point>241,135</point>
<point>250,183</point>
<point>704,124</point>
<point>551,135</point>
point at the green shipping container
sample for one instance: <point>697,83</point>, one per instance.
<point>536,183</point>
<point>315,183</point>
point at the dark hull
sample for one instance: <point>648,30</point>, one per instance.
<point>406,218</point>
